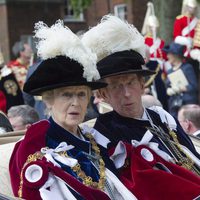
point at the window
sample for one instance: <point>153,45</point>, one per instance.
<point>69,13</point>
<point>120,11</point>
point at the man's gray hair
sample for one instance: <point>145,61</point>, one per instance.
<point>28,114</point>
<point>191,112</point>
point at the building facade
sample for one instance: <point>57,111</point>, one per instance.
<point>17,17</point>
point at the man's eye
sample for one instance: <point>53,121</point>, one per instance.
<point>81,94</point>
<point>132,82</point>
<point>114,86</point>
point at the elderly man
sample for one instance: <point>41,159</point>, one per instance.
<point>22,116</point>
<point>119,48</point>
<point>189,118</point>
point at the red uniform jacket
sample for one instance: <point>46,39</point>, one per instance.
<point>180,23</point>
<point>159,53</point>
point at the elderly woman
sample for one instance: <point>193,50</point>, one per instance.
<point>57,159</point>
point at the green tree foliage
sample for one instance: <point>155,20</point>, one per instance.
<point>80,5</point>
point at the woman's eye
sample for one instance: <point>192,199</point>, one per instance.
<point>67,94</point>
<point>81,94</point>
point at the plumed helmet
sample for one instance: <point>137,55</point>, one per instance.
<point>150,19</point>
<point>153,21</point>
<point>190,3</point>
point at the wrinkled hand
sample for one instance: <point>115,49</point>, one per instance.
<point>183,89</point>
<point>175,90</point>
<point>170,91</point>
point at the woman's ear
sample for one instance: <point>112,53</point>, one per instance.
<point>49,102</point>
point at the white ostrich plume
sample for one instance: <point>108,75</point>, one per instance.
<point>113,35</point>
<point>59,40</point>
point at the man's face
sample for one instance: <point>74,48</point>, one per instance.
<point>123,93</point>
<point>182,121</point>
<point>27,53</point>
<point>190,10</point>
<point>17,123</point>
<point>171,58</point>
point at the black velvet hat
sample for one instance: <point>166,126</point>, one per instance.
<point>123,62</point>
<point>65,61</point>
<point>119,47</point>
<point>58,72</point>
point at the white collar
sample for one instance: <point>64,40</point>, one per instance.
<point>99,138</point>
<point>144,115</point>
<point>196,133</point>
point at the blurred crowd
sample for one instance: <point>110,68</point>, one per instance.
<point>140,94</point>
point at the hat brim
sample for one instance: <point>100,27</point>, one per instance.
<point>144,72</point>
<point>92,85</point>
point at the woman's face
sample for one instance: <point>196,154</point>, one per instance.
<point>171,58</point>
<point>69,106</point>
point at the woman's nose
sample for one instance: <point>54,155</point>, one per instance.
<point>75,100</point>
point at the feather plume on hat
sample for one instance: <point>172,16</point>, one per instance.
<point>113,35</point>
<point>59,40</point>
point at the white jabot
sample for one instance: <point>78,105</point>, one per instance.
<point>196,133</point>
<point>52,155</point>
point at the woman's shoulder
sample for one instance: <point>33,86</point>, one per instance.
<point>186,65</point>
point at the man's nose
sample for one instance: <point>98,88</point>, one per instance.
<point>126,90</point>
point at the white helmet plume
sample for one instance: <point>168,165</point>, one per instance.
<point>59,40</point>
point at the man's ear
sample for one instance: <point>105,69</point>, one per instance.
<point>103,93</point>
<point>187,125</point>
<point>142,82</point>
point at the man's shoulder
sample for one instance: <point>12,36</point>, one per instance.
<point>153,113</point>
<point>186,66</point>
<point>105,116</point>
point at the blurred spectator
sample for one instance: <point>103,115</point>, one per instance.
<point>189,118</point>
<point>149,101</point>
<point>181,81</point>
<point>5,125</point>
<point>10,93</point>
<point>24,55</point>
<point>156,55</point>
<point>35,101</point>
<point>21,117</point>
